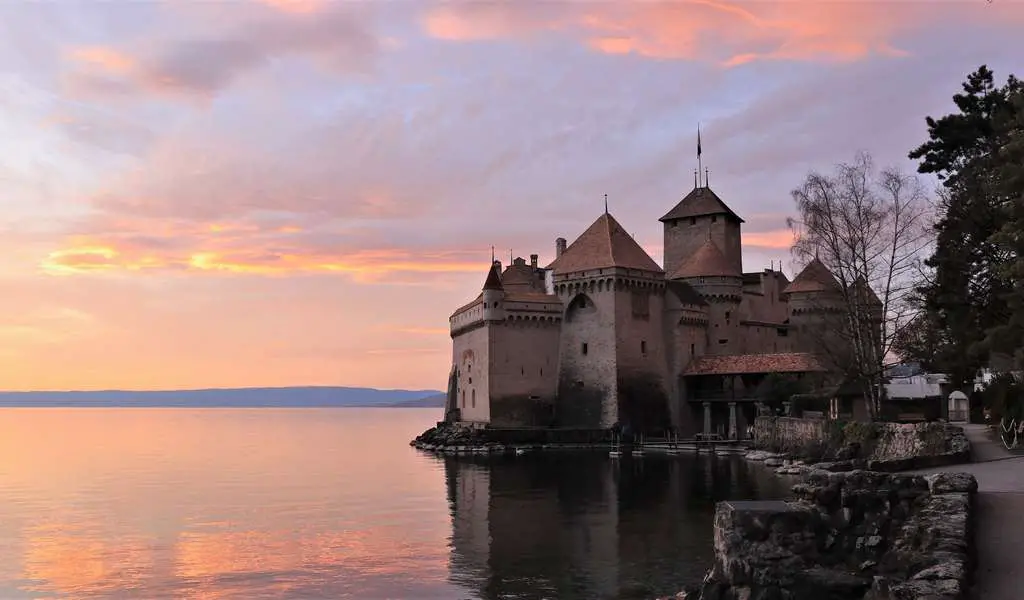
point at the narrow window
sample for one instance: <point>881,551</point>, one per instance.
<point>474,399</point>
<point>463,402</point>
<point>522,370</point>
<point>584,348</point>
<point>542,371</point>
<point>692,349</point>
<point>643,346</point>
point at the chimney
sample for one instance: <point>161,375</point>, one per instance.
<point>533,260</point>
<point>559,247</point>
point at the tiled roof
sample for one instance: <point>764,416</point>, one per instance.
<point>741,364</point>
<point>814,278</point>
<point>707,261</point>
<point>604,245</point>
<point>494,277</point>
<point>468,305</point>
<point>685,293</point>
<point>521,276</point>
<point>698,203</point>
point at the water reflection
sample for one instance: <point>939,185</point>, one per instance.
<point>309,503</point>
<point>582,526</point>
<point>152,503</point>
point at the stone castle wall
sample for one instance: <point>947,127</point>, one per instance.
<point>587,380</point>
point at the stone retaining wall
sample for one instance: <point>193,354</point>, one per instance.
<point>789,434</point>
<point>858,535</point>
<point>876,446</point>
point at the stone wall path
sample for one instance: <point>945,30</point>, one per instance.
<point>1000,516</point>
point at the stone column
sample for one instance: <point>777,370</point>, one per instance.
<point>707,417</point>
<point>733,433</point>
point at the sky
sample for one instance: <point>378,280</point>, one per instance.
<point>300,192</point>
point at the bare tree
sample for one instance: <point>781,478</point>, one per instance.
<point>870,229</point>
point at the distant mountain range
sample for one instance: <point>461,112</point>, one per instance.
<point>286,397</point>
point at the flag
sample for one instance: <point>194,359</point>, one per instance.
<point>698,141</point>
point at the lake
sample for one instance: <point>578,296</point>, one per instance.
<point>333,503</point>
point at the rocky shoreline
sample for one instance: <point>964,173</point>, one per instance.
<point>856,530</point>
<point>855,535</point>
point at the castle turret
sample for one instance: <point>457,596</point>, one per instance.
<point>720,283</point>
<point>494,294</point>
<point>688,224</point>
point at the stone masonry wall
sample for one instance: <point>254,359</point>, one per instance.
<point>858,535</point>
<point>788,434</point>
<point>875,446</point>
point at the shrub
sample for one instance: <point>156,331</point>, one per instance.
<point>1004,397</point>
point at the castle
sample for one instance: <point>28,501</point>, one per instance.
<point>604,336</point>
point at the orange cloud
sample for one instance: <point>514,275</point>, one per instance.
<point>729,33</point>
<point>294,6</point>
<point>238,249</point>
<point>107,60</point>
<point>781,239</point>
<point>421,330</point>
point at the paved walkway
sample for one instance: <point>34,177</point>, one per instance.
<point>1000,516</point>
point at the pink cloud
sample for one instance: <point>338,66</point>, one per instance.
<point>729,33</point>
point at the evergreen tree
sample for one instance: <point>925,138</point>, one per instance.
<point>969,293</point>
<point>1007,337</point>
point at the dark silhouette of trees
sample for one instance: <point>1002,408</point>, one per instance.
<point>968,293</point>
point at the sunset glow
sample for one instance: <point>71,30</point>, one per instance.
<point>299,192</point>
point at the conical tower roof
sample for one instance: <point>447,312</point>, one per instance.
<point>707,261</point>
<point>494,278</point>
<point>604,245</point>
<point>814,278</point>
<point>701,201</point>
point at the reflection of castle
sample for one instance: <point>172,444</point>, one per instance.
<point>604,335</point>
<point>583,527</point>
<point>515,531</point>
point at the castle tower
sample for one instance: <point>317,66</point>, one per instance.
<point>815,299</point>
<point>494,294</point>
<point>611,362</point>
<point>719,281</point>
<point>686,228</point>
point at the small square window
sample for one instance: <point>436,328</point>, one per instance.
<point>723,341</point>
<point>714,218</point>
<point>693,220</point>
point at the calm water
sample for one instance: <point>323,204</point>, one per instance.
<point>333,503</point>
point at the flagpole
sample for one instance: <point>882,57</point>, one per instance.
<point>699,165</point>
